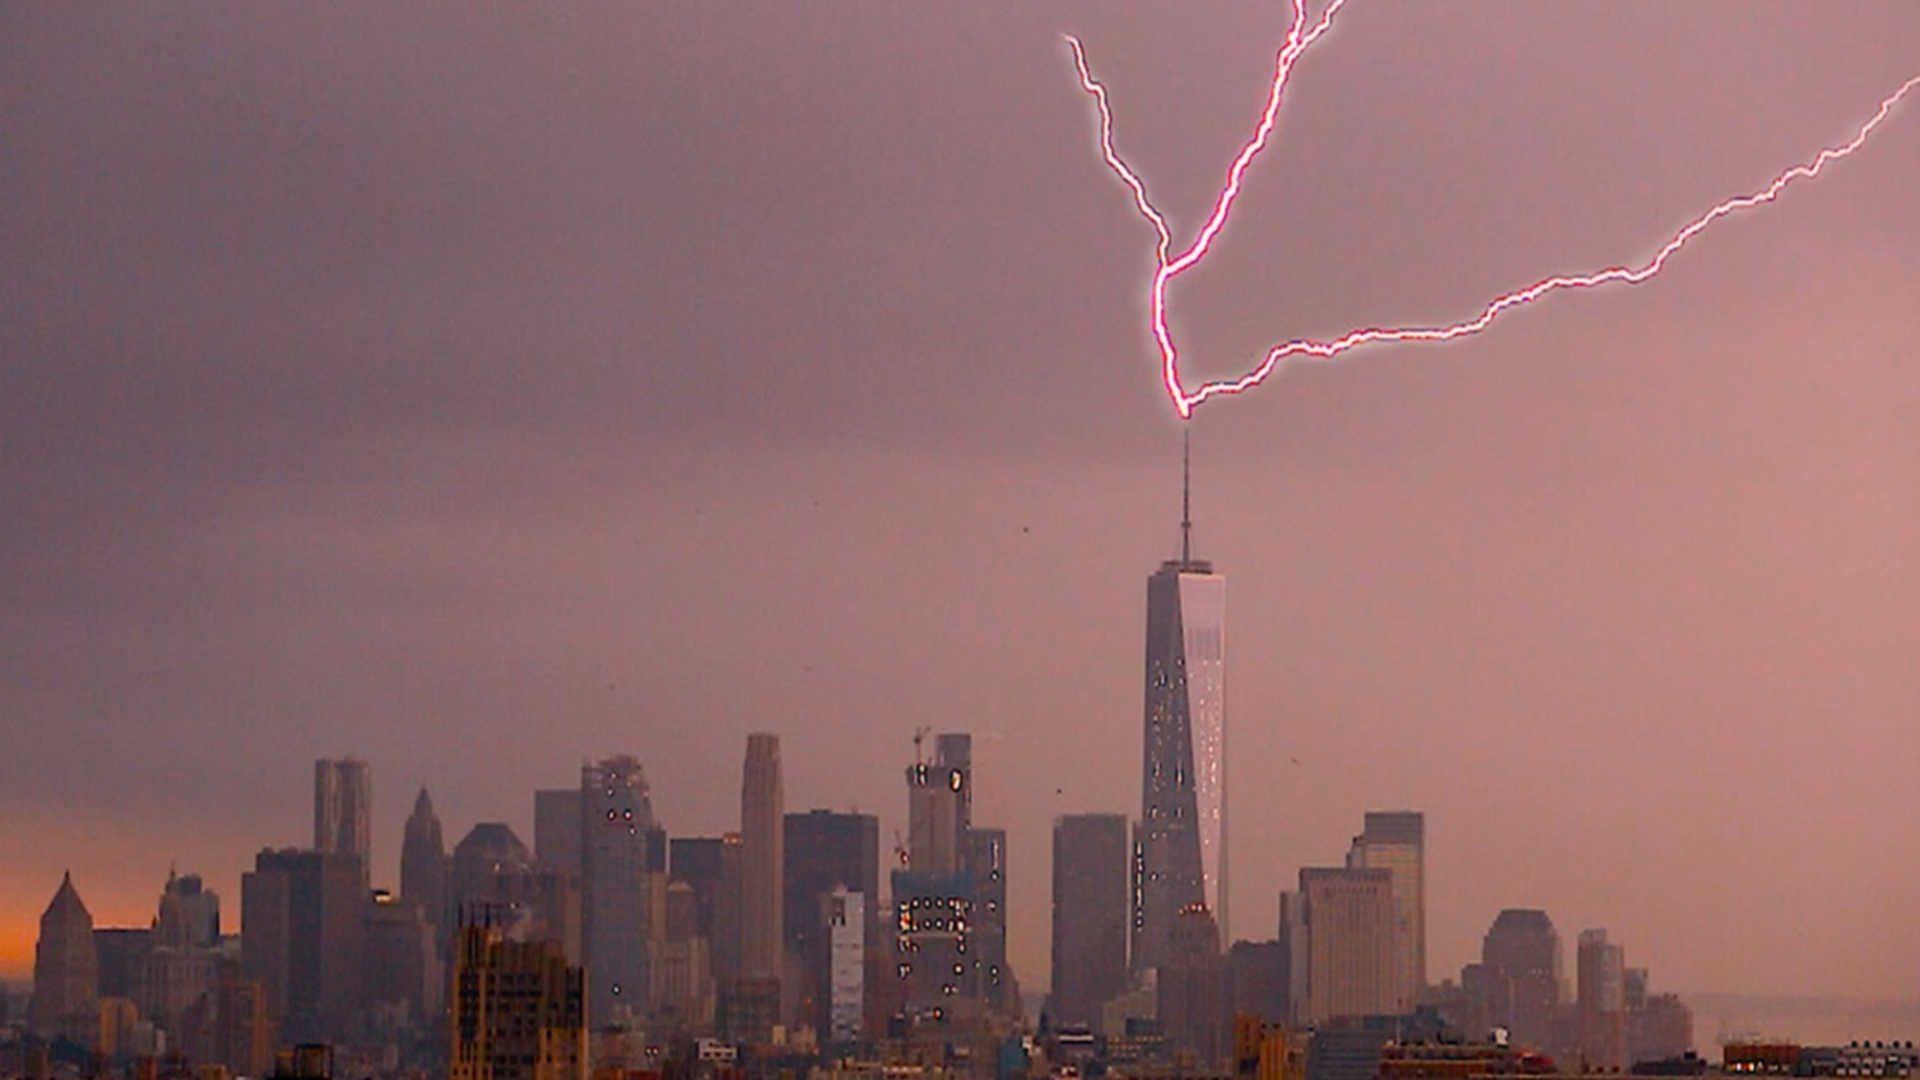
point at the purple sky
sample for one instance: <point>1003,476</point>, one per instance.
<point>476,392</point>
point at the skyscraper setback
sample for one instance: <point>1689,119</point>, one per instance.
<point>1180,856</point>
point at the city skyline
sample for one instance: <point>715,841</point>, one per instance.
<point>451,472</point>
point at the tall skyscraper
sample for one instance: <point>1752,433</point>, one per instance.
<point>423,865</point>
<point>1180,839</point>
<point>1395,840</point>
<point>1089,915</point>
<point>1350,960</point>
<point>66,969</point>
<point>343,809</point>
<point>1602,1004</point>
<point>762,836</point>
<point>1190,992</point>
<point>556,829</point>
<point>1523,948</point>
<point>519,1011</point>
<point>616,829</point>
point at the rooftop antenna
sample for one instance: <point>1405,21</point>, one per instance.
<point>1186,493</point>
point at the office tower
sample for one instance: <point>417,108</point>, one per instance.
<point>1659,1027</point>
<point>696,860</point>
<point>985,866</point>
<point>400,966</point>
<point>66,970</point>
<point>824,850</point>
<point>1181,837</point>
<point>189,914</point>
<point>616,829</point>
<point>556,829</point>
<point>727,912</point>
<point>1601,967</point>
<point>180,962</point>
<point>122,953</point>
<point>1294,954</point>
<point>519,1011</point>
<point>494,881</point>
<point>762,835</point>
<point>1257,980</point>
<point>343,809</point>
<point>940,805</point>
<point>932,922</point>
<point>1192,987</point>
<point>1350,959</point>
<point>1524,949</point>
<point>1396,840</point>
<point>423,866</point>
<point>1089,915</point>
<point>680,966</point>
<point>228,1025</point>
<point>845,914</point>
<point>301,934</point>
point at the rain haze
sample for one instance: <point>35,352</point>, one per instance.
<point>477,392</point>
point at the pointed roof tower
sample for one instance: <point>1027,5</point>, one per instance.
<point>66,904</point>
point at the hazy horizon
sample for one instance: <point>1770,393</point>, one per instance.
<point>481,392</point>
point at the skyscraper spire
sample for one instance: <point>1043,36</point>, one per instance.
<point>1186,489</point>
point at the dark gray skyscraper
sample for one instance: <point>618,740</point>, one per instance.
<point>1180,857</point>
<point>556,829</point>
<point>343,809</point>
<point>616,830</point>
<point>1089,914</point>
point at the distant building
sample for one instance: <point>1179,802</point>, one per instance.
<point>699,862</point>
<point>401,965</point>
<point>1524,949</point>
<point>519,1011</point>
<point>302,936</point>
<point>762,806</point>
<point>556,829</point>
<point>1349,918</point>
<point>940,806</point>
<point>228,1025</point>
<point>844,913</point>
<point>680,966</point>
<point>824,851</point>
<point>423,867</point>
<point>986,870</point>
<point>1089,915</point>
<point>122,953</point>
<point>1602,1002</point>
<point>66,970</point>
<point>1193,1011</point>
<point>343,809</point>
<point>1395,840</point>
<point>493,880</point>
<point>617,832</point>
<point>932,923</point>
<point>189,915</point>
<point>1257,981</point>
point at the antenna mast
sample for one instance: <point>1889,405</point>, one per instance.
<point>1186,492</point>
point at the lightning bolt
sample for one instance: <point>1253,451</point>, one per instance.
<point>1301,35</point>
